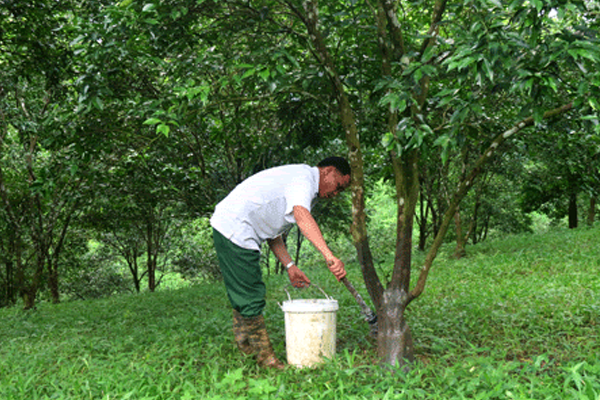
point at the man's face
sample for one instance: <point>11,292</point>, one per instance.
<point>332,182</point>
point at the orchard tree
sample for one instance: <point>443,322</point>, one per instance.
<point>435,74</point>
<point>564,166</point>
<point>39,180</point>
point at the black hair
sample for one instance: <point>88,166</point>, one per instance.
<point>340,163</point>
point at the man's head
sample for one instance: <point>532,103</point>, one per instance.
<point>334,176</point>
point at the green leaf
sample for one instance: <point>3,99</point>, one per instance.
<point>149,7</point>
<point>394,101</point>
<point>426,129</point>
<point>429,52</point>
<point>489,71</point>
<point>584,88</point>
<point>387,140</point>
<point>445,100</point>
<point>152,121</point>
<point>537,4</point>
<point>527,86</point>
<point>465,62</point>
<point>444,142</point>
<point>401,106</point>
<point>446,92</point>
<point>551,81</point>
<point>249,72</point>
<point>164,129</point>
<point>77,40</point>
<point>418,75</point>
<point>573,53</point>
<point>97,103</point>
<point>204,94</point>
<point>538,115</point>
<point>264,74</point>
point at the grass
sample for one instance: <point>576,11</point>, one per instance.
<point>516,319</point>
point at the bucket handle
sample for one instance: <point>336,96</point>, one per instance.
<point>313,284</point>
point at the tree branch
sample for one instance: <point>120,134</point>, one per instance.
<point>348,121</point>
<point>388,8</point>
<point>438,12</point>
<point>463,188</point>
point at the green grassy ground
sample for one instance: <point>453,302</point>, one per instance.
<point>517,319</point>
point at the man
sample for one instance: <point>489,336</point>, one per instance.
<point>260,209</point>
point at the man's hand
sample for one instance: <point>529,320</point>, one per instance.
<point>336,266</point>
<point>309,228</point>
<point>297,277</point>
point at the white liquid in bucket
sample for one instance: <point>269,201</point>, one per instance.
<point>310,329</point>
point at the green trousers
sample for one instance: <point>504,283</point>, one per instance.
<point>242,276</point>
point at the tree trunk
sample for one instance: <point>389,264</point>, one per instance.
<point>28,294</point>
<point>394,341</point>
<point>131,259</point>
<point>463,238</point>
<point>475,221</point>
<point>53,282</point>
<point>435,220</point>
<point>151,275</point>
<point>19,271</point>
<point>151,255</point>
<point>11,252</point>
<point>573,211</point>
<point>486,227</point>
<point>459,251</point>
<point>29,289</point>
<point>7,296</point>
<point>53,259</point>
<point>424,207</point>
<point>592,211</point>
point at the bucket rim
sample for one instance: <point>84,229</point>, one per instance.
<point>310,305</point>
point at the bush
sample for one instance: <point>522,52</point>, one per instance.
<point>196,259</point>
<point>94,275</point>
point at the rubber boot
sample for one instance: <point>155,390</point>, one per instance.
<point>240,333</point>
<point>260,342</point>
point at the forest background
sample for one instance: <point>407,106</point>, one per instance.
<point>123,123</point>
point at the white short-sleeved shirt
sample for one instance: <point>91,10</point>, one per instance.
<point>261,207</point>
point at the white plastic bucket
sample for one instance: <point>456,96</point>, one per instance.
<point>310,328</point>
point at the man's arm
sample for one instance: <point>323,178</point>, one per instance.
<point>309,228</point>
<point>278,248</point>
<point>297,277</point>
